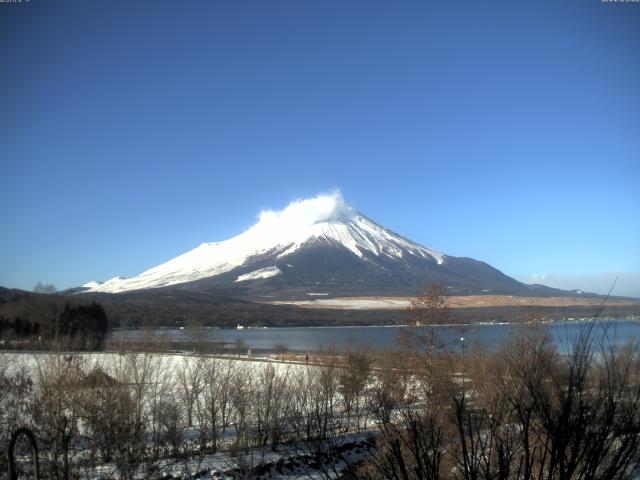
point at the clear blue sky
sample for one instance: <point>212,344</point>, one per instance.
<point>507,131</point>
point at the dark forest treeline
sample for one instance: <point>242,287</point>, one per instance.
<point>45,321</point>
<point>167,307</point>
<point>172,307</point>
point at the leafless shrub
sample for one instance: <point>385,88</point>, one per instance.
<point>190,377</point>
<point>353,380</point>
<point>529,411</point>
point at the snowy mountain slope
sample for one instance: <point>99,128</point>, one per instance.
<point>324,219</point>
<point>317,246</point>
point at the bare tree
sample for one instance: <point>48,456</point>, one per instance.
<point>323,386</point>
<point>112,431</point>
<point>322,433</point>
<point>55,410</point>
<point>190,375</point>
<point>269,407</point>
<point>242,391</point>
<point>429,309</point>
<point>353,379</point>
<point>44,288</point>
<point>211,399</point>
<point>531,412</point>
<point>16,390</point>
<point>410,447</point>
<point>392,379</point>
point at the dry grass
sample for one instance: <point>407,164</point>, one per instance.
<point>467,301</point>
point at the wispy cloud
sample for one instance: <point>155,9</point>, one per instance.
<point>627,283</point>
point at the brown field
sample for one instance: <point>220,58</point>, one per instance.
<point>467,301</point>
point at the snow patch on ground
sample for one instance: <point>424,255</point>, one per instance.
<point>350,303</point>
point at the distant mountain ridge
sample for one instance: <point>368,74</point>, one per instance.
<point>319,246</point>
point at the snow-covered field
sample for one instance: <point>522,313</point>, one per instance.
<point>169,363</point>
<point>291,463</point>
<point>160,376</point>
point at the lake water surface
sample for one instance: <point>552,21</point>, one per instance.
<point>313,338</point>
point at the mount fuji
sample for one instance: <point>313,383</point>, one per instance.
<point>318,247</point>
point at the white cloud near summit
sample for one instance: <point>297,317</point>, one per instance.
<point>305,212</point>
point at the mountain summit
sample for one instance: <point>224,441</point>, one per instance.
<point>316,246</point>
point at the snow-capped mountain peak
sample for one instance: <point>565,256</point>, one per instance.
<point>325,219</point>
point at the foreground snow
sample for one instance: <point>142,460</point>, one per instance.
<point>291,460</point>
<point>31,362</point>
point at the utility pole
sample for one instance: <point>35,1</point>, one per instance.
<point>462,347</point>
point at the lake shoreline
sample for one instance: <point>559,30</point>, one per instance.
<point>310,339</point>
<point>394,325</point>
